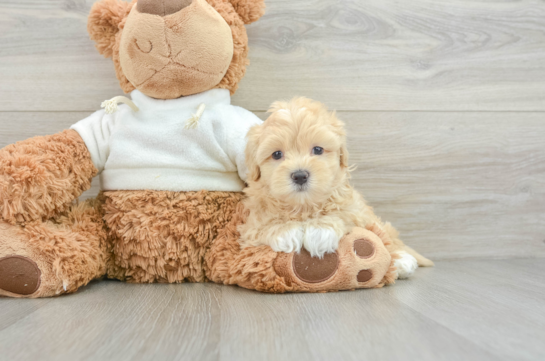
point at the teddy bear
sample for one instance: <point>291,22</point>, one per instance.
<point>172,169</point>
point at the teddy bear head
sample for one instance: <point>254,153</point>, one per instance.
<point>173,48</point>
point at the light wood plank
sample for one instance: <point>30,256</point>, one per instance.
<point>497,304</point>
<point>460,310</point>
<point>454,184</point>
<point>119,321</point>
<point>368,325</point>
<point>14,309</point>
<point>356,55</point>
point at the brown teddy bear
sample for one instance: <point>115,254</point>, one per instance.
<point>171,162</point>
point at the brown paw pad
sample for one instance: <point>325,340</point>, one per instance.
<point>364,248</point>
<point>19,275</point>
<point>312,269</point>
<point>364,275</point>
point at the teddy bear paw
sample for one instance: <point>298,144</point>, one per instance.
<point>19,275</point>
<point>361,261</point>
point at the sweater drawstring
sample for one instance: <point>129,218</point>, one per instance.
<point>192,122</point>
<point>111,105</point>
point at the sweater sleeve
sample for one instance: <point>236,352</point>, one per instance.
<point>95,130</point>
<point>236,141</point>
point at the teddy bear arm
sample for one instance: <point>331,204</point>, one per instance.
<point>41,176</point>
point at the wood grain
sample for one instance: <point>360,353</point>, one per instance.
<point>119,321</point>
<point>13,310</point>
<point>369,325</point>
<point>458,310</point>
<point>455,185</point>
<point>354,55</point>
<point>468,297</point>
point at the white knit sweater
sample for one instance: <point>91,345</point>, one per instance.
<point>154,149</point>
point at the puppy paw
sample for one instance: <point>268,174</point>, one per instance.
<point>406,265</point>
<point>290,241</point>
<point>319,241</point>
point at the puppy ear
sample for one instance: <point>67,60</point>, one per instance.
<point>344,156</point>
<point>278,106</point>
<point>249,10</point>
<point>254,172</point>
<point>338,128</point>
<point>105,20</point>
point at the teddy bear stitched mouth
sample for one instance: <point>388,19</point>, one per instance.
<point>172,62</point>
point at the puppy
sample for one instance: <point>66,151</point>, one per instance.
<point>298,191</point>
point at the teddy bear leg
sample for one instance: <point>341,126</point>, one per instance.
<point>364,259</point>
<point>44,259</point>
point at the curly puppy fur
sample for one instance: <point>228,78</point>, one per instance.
<point>107,20</point>
<point>41,176</point>
<point>287,216</point>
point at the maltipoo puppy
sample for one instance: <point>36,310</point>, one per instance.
<point>298,191</point>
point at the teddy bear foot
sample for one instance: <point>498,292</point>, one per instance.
<point>361,261</point>
<point>46,259</point>
<point>19,275</point>
<point>21,271</point>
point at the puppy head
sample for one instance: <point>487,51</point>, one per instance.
<point>299,153</point>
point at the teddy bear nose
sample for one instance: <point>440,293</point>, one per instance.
<point>161,7</point>
<point>300,177</point>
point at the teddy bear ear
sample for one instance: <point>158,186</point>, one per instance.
<point>249,10</point>
<point>104,22</point>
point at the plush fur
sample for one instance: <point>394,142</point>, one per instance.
<point>249,11</point>
<point>70,249</point>
<point>41,176</point>
<point>160,236</point>
<point>251,268</point>
<point>287,216</point>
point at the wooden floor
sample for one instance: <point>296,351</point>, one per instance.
<point>459,310</point>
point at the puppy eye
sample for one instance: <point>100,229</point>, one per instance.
<point>277,155</point>
<point>318,150</point>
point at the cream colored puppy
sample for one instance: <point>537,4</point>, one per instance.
<point>298,190</point>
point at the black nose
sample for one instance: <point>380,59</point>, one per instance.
<point>300,177</point>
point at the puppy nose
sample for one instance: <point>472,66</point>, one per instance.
<point>300,177</point>
<point>161,7</point>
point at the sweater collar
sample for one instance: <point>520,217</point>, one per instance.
<point>210,98</point>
